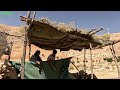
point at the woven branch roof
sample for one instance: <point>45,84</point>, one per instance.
<point>49,37</point>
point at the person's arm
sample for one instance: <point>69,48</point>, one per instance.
<point>50,63</point>
<point>39,60</point>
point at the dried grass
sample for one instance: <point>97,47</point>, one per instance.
<point>70,27</point>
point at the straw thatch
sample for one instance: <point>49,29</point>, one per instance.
<point>49,36</point>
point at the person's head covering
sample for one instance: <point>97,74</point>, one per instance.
<point>54,51</point>
<point>37,52</point>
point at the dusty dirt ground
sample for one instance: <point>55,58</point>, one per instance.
<point>103,69</point>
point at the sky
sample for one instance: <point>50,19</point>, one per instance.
<point>82,19</point>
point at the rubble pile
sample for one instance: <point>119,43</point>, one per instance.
<point>7,71</point>
<point>83,75</point>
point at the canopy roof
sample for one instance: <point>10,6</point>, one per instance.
<point>49,37</point>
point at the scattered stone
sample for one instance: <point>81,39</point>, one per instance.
<point>7,71</point>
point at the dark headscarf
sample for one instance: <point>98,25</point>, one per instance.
<point>37,53</point>
<point>54,51</point>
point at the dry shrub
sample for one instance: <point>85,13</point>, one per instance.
<point>71,68</point>
<point>69,27</point>
<point>64,27</point>
<point>78,61</point>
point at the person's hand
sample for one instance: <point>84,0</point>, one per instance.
<point>37,62</point>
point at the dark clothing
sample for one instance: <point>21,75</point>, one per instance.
<point>35,58</point>
<point>38,58</point>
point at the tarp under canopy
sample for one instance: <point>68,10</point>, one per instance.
<point>32,70</point>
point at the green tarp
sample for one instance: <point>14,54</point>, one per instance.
<point>44,71</point>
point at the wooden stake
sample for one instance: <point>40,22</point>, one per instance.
<point>24,55</point>
<point>96,31</point>
<point>30,34</point>
<point>28,16</point>
<point>115,59</point>
<point>75,66</point>
<point>85,60</point>
<point>91,61</point>
<point>33,16</point>
<point>10,51</point>
<point>24,49</point>
<point>29,50</point>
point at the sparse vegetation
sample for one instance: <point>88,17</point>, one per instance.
<point>110,59</point>
<point>105,36</point>
<point>71,67</point>
<point>78,61</point>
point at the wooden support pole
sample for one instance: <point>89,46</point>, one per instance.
<point>75,66</point>
<point>30,33</point>
<point>33,16</point>
<point>117,67</point>
<point>28,16</point>
<point>29,50</point>
<point>24,55</point>
<point>115,59</point>
<point>96,31</point>
<point>10,50</point>
<point>85,60</point>
<point>91,61</point>
<point>24,49</point>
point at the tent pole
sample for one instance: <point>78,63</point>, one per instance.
<point>91,61</point>
<point>75,66</point>
<point>115,59</point>
<point>24,55</point>
<point>29,50</point>
<point>24,49</point>
<point>84,59</point>
<point>114,56</point>
<point>10,51</point>
<point>116,62</point>
<point>30,34</point>
<point>33,16</point>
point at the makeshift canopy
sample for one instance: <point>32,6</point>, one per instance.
<point>49,37</point>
